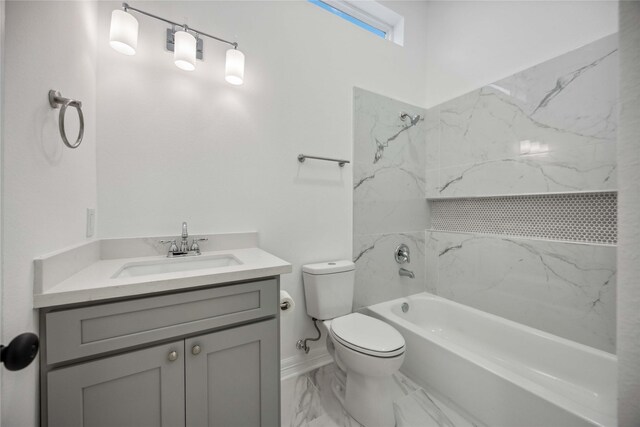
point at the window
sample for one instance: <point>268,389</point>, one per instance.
<point>369,15</point>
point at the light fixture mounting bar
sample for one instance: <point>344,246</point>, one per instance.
<point>171,42</point>
<point>126,7</point>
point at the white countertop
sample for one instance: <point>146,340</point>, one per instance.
<point>94,282</point>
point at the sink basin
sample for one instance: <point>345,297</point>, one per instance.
<point>174,265</point>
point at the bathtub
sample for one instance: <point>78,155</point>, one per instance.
<point>501,372</point>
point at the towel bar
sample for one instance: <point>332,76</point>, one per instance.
<point>303,157</point>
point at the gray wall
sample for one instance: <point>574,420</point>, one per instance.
<point>629,217</point>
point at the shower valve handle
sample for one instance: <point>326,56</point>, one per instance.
<point>402,254</point>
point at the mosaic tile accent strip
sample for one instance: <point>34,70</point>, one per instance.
<point>573,217</point>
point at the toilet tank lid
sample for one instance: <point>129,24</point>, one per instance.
<point>329,267</point>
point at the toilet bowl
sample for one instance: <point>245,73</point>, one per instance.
<point>367,349</point>
<point>370,351</point>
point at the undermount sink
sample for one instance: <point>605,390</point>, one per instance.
<point>174,265</point>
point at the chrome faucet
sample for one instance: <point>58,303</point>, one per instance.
<point>184,249</point>
<point>406,273</point>
<point>184,246</point>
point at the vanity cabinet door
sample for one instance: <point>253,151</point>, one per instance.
<point>141,388</point>
<point>233,377</point>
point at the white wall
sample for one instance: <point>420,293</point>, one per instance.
<point>474,43</point>
<point>180,146</point>
<point>2,13</point>
<point>47,187</point>
<point>629,218</point>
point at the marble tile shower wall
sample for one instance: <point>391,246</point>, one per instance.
<point>388,197</point>
<point>550,128</point>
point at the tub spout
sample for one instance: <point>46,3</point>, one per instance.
<point>407,273</point>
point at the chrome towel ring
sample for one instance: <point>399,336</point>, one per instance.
<point>56,100</point>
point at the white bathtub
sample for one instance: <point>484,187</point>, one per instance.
<point>501,372</point>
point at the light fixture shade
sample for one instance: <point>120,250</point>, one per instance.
<point>123,35</point>
<point>234,67</point>
<point>184,53</point>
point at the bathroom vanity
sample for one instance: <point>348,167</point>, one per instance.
<point>203,349</point>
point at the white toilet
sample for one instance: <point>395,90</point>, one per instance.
<point>368,349</point>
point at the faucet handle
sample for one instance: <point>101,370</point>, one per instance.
<point>402,254</point>
<point>173,247</point>
<point>194,246</point>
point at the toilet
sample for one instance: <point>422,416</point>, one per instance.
<point>367,349</point>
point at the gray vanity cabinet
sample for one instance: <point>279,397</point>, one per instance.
<point>207,357</point>
<point>141,388</point>
<point>233,377</point>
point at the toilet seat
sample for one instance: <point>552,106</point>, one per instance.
<point>367,335</point>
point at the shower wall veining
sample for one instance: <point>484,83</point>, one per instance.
<point>548,129</point>
<point>389,207</point>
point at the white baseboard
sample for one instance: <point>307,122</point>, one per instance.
<point>302,363</point>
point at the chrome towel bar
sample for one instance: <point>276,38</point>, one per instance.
<point>56,100</point>
<point>303,157</point>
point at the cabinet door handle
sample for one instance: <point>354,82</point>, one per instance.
<point>196,349</point>
<point>173,356</point>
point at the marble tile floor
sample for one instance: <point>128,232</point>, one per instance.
<point>314,399</point>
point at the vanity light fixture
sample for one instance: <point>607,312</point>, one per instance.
<point>185,42</point>
<point>184,50</point>
<point>123,35</point>
<point>234,67</point>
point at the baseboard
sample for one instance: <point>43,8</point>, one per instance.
<point>302,363</point>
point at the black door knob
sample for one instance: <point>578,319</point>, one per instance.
<point>20,351</point>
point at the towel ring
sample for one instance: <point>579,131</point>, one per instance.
<point>58,101</point>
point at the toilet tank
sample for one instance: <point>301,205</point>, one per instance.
<point>328,288</point>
